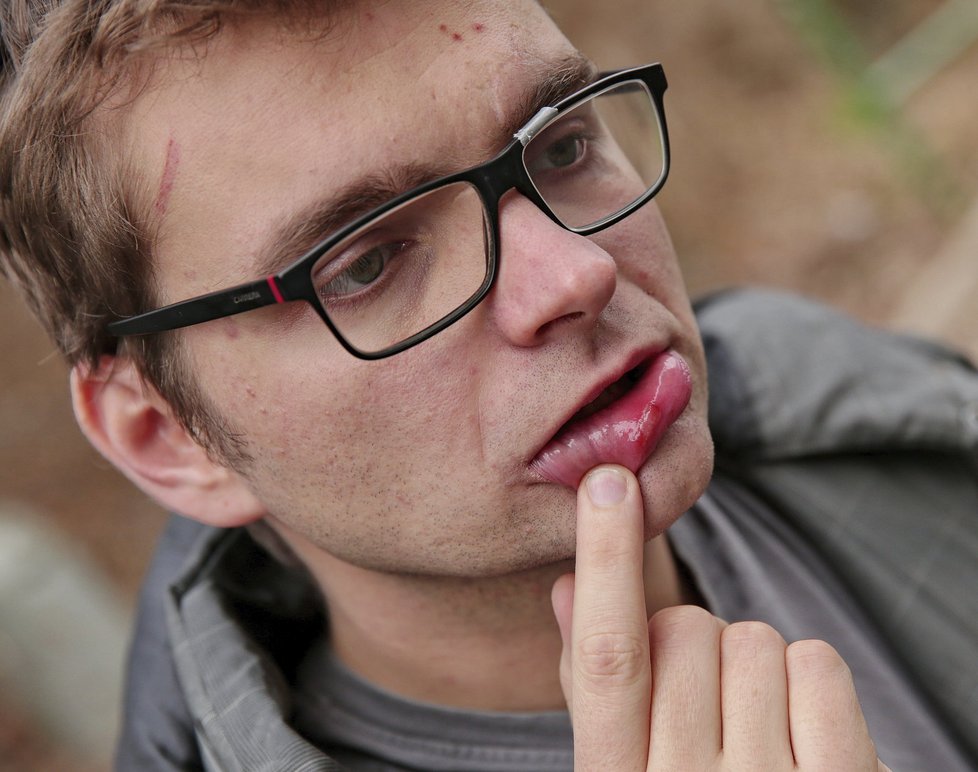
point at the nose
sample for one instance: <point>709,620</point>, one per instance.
<point>550,280</point>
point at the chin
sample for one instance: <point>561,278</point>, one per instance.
<point>676,474</point>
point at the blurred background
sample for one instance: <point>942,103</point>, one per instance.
<point>822,146</point>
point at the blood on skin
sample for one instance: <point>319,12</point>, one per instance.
<point>456,36</point>
<point>168,178</point>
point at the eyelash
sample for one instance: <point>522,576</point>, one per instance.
<point>353,300</point>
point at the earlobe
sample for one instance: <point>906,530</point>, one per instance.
<point>130,424</point>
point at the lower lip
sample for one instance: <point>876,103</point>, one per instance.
<point>626,432</point>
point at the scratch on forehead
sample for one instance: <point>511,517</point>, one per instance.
<point>528,61</point>
<point>501,96</point>
<point>168,177</point>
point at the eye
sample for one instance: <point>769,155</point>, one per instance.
<point>367,267</point>
<point>561,147</point>
<point>565,152</point>
<point>363,271</point>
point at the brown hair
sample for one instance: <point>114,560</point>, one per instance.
<point>73,234</point>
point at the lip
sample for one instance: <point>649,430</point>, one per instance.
<point>626,431</point>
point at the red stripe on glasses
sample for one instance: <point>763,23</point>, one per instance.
<point>273,286</point>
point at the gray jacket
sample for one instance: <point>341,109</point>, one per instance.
<point>817,414</point>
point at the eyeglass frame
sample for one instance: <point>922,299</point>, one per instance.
<point>492,180</point>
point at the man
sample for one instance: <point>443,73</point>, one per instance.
<point>308,301</point>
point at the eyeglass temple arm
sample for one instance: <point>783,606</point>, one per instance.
<point>236,300</point>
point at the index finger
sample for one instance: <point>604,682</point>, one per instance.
<point>610,672</point>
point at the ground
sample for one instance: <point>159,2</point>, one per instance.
<point>789,170</point>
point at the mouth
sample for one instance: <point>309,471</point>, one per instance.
<point>610,394</point>
<point>622,424</point>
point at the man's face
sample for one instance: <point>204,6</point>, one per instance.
<point>429,461</point>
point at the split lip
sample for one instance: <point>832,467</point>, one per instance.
<point>626,431</point>
<point>641,358</point>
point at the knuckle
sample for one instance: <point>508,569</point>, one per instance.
<point>609,659</point>
<point>815,658</point>
<point>752,636</point>
<point>679,623</point>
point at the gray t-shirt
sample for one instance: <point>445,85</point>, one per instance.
<point>746,563</point>
<point>366,728</point>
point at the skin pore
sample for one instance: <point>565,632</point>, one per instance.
<point>405,484</point>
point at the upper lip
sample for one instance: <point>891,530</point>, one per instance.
<point>636,358</point>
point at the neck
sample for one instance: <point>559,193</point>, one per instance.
<point>481,644</point>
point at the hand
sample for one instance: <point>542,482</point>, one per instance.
<point>684,690</point>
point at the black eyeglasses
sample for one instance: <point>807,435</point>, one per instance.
<point>417,264</point>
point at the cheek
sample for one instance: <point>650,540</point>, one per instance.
<point>316,426</point>
<point>640,243</point>
<point>644,253</point>
<point>381,472</point>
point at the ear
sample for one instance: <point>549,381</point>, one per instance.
<point>130,424</point>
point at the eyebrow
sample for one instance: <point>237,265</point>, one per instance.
<point>561,79</point>
<point>308,226</point>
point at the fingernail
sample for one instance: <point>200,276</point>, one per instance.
<point>606,487</point>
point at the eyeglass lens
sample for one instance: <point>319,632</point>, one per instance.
<point>591,162</point>
<point>414,265</point>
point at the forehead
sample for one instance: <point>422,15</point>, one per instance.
<point>265,122</point>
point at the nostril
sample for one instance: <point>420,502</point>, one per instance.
<point>560,321</point>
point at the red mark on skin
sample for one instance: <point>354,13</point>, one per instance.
<point>455,35</point>
<point>478,27</point>
<point>369,15</point>
<point>168,178</point>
